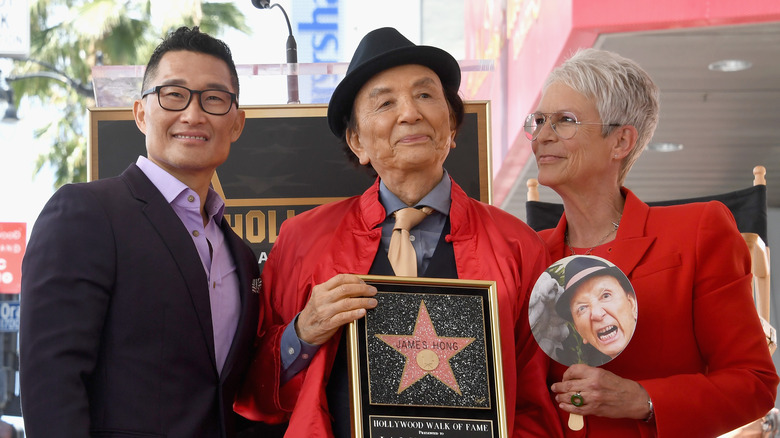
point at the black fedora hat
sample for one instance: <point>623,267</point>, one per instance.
<point>581,268</point>
<point>380,50</point>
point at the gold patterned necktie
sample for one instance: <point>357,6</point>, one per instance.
<point>401,253</point>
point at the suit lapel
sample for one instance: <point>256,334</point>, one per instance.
<point>631,243</point>
<point>171,231</point>
<point>627,253</point>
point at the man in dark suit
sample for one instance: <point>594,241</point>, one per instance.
<point>137,298</point>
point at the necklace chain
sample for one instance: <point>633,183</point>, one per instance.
<point>615,226</point>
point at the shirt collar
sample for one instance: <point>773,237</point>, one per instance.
<point>171,188</point>
<point>439,198</point>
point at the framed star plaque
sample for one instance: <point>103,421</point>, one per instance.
<point>427,361</point>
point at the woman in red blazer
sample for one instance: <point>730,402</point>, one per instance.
<point>698,363</point>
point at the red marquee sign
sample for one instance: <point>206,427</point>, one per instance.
<point>13,238</point>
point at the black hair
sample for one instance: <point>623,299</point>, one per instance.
<point>191,40</point>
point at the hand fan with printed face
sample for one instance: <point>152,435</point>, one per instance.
<point>584,310</point>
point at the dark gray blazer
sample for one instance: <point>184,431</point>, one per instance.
<point>116,334</point>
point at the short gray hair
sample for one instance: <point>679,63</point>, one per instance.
<point>623,93</point>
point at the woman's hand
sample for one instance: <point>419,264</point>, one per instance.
<point>602,393</point>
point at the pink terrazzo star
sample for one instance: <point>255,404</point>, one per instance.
<point>426,352</point>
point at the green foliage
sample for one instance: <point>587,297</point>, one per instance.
<point>218,16</point>
<point>69,37</point>
<point>576,346</point>
<point>68,155</point>
<point>557,272</point>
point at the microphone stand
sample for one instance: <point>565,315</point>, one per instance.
<point>292,53</point>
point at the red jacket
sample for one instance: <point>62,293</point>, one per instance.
<point>698,348</point>
<point>343,237</point>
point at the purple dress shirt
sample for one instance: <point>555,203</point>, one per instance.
<point>209,240</point>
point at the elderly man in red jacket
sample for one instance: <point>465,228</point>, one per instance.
<point>397,110</point>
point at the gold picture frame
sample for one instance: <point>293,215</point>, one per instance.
<point>427,360</point>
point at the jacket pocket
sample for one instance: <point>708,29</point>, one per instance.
<point>671,261</point>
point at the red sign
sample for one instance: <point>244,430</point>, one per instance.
<point>13,237</point>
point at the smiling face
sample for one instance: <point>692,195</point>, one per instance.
<point>604,314</point>
<point>586,158</point>
<point>189,144</point>
<point>403,124</point>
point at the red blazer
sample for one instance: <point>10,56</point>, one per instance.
<point>698,348</point>
<point>343,237</point>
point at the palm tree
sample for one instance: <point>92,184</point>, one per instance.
<point>68,37</point>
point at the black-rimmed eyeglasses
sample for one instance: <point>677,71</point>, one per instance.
<point>178,98</point>
<point>564,124</point>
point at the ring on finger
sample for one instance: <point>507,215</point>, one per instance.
<point>577,399</point>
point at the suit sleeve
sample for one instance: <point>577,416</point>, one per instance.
<point>67,275</point>
<point>740,381</point>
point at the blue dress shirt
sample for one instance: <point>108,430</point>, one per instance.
<point>297,354</point>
